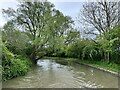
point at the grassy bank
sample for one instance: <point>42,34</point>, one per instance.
<point>98,64</point>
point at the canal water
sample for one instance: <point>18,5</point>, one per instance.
<point>50,73</point>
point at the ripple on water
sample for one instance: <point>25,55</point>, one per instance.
<point>49,74</point>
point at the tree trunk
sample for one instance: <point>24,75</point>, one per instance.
<point>105,56</point>
<point>108,57</point>
<point>33,55</point>
<point>33,58</point>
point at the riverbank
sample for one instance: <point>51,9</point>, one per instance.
<point>112,68</point>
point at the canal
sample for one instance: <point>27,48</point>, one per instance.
<point>50,73</point>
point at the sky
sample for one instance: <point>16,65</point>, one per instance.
<point>68,7</point>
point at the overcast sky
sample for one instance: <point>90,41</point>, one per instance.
<point>67,7</point>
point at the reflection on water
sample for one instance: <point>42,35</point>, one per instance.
<point>62,74</point>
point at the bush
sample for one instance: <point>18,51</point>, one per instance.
<point>13,65</point>
<point>75,50</point>
<point>14,68</point>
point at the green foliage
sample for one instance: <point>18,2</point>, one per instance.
<point>105,47</point>
<point>14,68</point>
<point>6,53</point>
<point>13,65</point>
<point>43,24</point>
<point>15,40</point>
<point>46,31</point>
<point>110,42</point>
<point>75,49</point>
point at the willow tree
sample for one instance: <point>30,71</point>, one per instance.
<point>41,22</point>
<point>33,18</point>
<point>59,27</point>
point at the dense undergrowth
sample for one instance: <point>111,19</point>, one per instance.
<point>13,65</point>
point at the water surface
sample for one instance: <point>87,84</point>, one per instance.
<point>63,74</point>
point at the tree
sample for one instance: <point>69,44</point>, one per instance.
<point>41,23</point>
<point>58,30</point>
<point>99,16</point>
<point>33,17</point>
<point>15,40</point>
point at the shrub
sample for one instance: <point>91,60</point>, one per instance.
<point>14,68</point>
<point>13,65</point>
